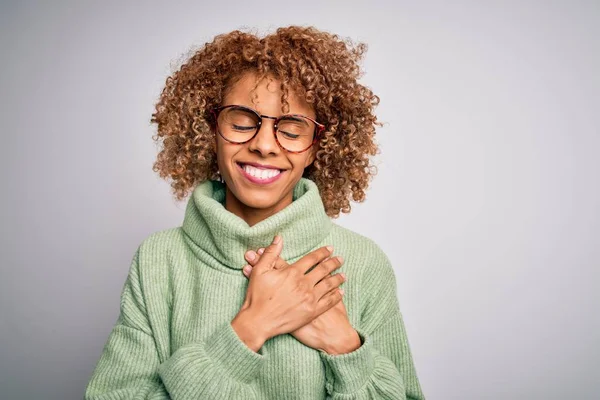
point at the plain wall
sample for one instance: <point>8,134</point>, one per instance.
<point>487,198</point>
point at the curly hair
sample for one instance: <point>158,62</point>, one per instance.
<point>317,66</point>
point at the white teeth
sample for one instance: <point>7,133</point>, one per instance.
<point>261,173</point>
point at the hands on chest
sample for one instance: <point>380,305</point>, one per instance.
<point>283,298</point>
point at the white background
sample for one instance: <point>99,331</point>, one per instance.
<point>486,201</point>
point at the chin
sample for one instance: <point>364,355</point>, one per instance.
<point>257,200</point>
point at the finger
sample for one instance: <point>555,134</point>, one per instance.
<point>329,283</point>
<point>269,257</point>
<point>324,268</point>
<point>247,270</point>
<point>329,300</point>
<point>280,264</point>
<point>251,257</point>
<point>312,258</point>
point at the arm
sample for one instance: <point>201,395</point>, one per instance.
<point>219,367</point>
<point>382,367</point>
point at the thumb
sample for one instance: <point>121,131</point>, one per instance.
<point>271,254</point>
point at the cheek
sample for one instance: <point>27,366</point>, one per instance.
<point>225,153</point>
<point>224,150</point>
<point>298,162</point>
<point>304,160</point>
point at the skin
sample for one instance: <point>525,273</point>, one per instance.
<point>343,338</point>
<point>250,201</point>
<point>280,298</point>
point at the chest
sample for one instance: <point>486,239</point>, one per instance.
<point>197,297</point>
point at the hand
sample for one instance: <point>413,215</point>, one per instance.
<point>280,300</point>
<point>331,331</point>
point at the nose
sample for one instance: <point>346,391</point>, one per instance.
<point>264,141</point>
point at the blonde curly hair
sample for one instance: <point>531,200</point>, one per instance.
<point>318,66</point>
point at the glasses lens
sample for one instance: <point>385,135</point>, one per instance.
<point>237,124</point>
<point>295,133</point>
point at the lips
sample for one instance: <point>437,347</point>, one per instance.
<point>259,174</point>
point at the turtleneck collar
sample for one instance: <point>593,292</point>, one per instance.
<point>225,237</point>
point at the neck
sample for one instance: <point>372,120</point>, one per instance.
<point>251,215</point>
<point>221,238</point>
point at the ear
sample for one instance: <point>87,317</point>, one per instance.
<point>214,141</point>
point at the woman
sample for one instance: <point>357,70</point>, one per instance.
<point>273,136</point>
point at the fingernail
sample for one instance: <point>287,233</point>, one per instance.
<point>341,291</point>
<point>343,275</point>
<point>261,250</point>
<point>330,248</point>
<point>246,268</point>
<point>251,255</point>
<point>276,239</point>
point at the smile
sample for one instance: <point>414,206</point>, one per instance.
<point>259,175</point>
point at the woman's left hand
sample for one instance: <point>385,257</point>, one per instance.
<point>330,331</point>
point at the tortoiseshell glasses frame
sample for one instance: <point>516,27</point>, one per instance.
<point>318,126</point>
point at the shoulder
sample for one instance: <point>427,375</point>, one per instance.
<point>364,250</point>
<point>376,276</point>
<point>160,243</point>
<point>152,262</point>
<point>152,256</point>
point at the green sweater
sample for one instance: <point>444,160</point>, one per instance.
<point>173,338</point>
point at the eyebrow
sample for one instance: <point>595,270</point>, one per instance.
<point>293,118</point>
<point>290,116</point>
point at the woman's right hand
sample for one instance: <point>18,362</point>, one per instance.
<point>280,300</point>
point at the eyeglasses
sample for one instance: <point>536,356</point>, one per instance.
<point>293,132</point>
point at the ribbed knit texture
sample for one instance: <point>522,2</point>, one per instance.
<point>174,340</point>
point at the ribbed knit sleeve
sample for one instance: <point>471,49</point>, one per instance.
<point>382,367</point>
<point>219,367</point>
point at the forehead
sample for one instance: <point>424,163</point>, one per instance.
<point>266,97</point>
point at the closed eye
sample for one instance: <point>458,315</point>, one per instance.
<point>243,128</point>
<point>290,135</point>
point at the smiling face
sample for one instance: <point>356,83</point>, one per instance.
<point>260,176</point>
